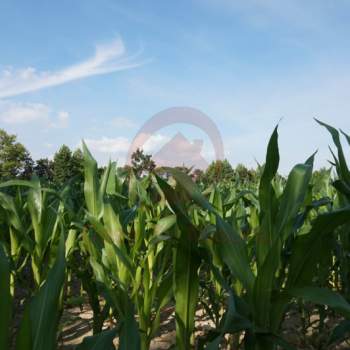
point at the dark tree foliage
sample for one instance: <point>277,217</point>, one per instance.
<point>28,167</point>
<point>68,166</point>
<point>77,163</point>
<point>243,174</point>
<point>15,160</point>
<point>219,170</point>
<point>44,169</point>
<point>62,165</point>
<point>142,162</point>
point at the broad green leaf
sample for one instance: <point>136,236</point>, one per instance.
<point>307,249</point>
<point>44,306</point>
<point>112,224</point>
<point>233,251</point>
<point>342,167</point>
<point>230,245</point>
<point>186,265</point>
<point>268,201</point>
<point>190,188</point>
<point>293,197</point>
<point>186,282</point>
<point>91,186</point>
<point>164,224</point>
<point>322,296</point>
<point>111,184</point>
<point>5,300</point>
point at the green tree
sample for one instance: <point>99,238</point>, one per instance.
<point>142,162</point>
<point>77,163</point>
<point>28,168</point>
<point>44,169</point>
<point>219,170</point>
<point>62,165</point>
<point>15,160</point>
<point>243,174</point>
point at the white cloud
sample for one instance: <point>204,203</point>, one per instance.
<point>122,122</point>
<point>119,145</point>
<point>18,113</point>
<point>107,58</point>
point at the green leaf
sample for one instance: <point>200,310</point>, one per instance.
<point>70,242</point>
<point>322,296</point>
<point>342,167</point>
<point>111,184</point>
<point>187,261</point>
<point>186,286</point>
<point>164,224</point>
<point>190,188</point>
<point>5,300</point>
<point>230,245</point>
<point>112,224</point>
<point>233,252</point>
<point>290,203</point>
<point>43,310</point>
<point>268,200</point>
<point>293,197</point>
<point>91,187</point>
<point>307,249</point>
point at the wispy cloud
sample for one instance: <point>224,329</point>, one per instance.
<point>108,58</point>
<point>16,113</point>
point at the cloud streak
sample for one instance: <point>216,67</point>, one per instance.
<point>108,58</point>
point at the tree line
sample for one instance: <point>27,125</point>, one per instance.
<point>16,162</point>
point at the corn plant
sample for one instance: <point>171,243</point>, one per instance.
<point>245,251</point>
<point>267,291</point>
<point>127,253</point>
<point>342,263</point>
<point>35,331</point>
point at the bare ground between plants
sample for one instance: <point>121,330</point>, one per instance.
<point>76,324</point>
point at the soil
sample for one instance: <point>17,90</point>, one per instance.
<point>76,324</point>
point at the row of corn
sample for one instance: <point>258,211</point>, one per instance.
<point>245,254</point>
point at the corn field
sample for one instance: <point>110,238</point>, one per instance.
<point>246,255</point>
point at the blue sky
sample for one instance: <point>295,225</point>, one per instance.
<point>99,69</point>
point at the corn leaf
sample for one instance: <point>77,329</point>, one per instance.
<point>36,333</point>
<point>5,300</point>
